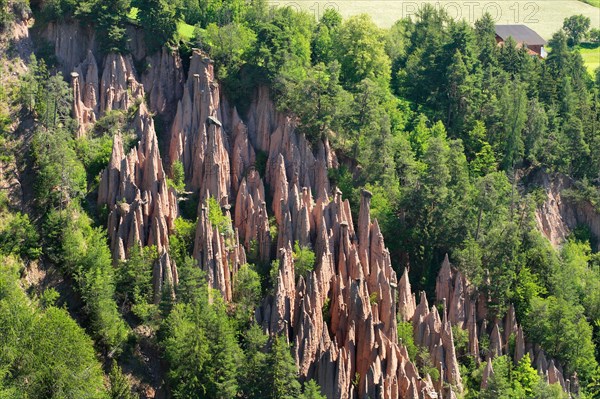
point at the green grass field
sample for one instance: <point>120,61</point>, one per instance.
<point>185,31</point>
<point>543,16</point>
<point>591,56</point>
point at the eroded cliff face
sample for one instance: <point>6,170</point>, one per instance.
<point>106,82</point>
<point>93,96</point>
<point>71,42</point>
<point>141,206</point>
<point>558,216</point>
<point>133,187</point>
<point>341,317</point>
<point>463,307</point>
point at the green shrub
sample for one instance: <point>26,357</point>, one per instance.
<point>216,216</point>
<point>5,122</point>
<point>58,9</point>
<point>304,260</point>
<point>200,345</point>
<point>18,236</point>
<point>85,256</point>
<point>181,240</point>
<point>405,336</point>
<point>373,298</point>
<point>5,152</point>
<point>325,310</point>
<point>3,200</point>
<point>273,228</point>
<point>461,339</point>
<point>110,123</point>
<point>47,353</point>
<point>246,295</point>
<point>134,276</point>
<point>21,9</point>
<point>188,205</point>
<point>5,16</point>
<point>95,154</point>
<point>261,162</point>
<point>425,364</point>
<point>274,273</point>
<point>159,19</point>
<point>312,391</point>
<point>178,181</point>
<point>119,384</point>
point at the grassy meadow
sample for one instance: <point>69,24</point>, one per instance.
<point>185,31</point>
<point>591,56</point>
<point>543,16</point>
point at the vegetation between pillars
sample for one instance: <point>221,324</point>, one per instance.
<point>442,124</point>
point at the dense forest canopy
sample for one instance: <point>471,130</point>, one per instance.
<point>445,128</point>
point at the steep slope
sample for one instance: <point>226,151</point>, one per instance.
<point>559,215</point>
<point>360,339</point>
<point>342,316</point>
<point>353,272</point>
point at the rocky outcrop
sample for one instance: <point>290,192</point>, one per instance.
<point>519,345</point>
<point>81,113</point>
<point>555,375</point>
<point>71,42</point>
<point>118,86</point>
<point>488,372</point>
<point>342,315</point>
<point>465,306</point>
<point>106,82</point>
<point>558,215</point>
<point>359,339</point>
<point>436,335</point>
<point>133,187</point>
<point>163,80</point>
<point>496,342</point>
<point>406,298</point>
<point>473,337</point>
<point>141,206</point>
<point>443,282</point>
<point>94,96</point>
<point>198,139</point>
<point>85,84</point>
<point>251,216</point>
<point>219,253</point>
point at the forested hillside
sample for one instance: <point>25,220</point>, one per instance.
<point>253,211</point>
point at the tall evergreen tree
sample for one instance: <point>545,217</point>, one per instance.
<point>159,19</point>
<point>283,368</point>
<point>513,103</point>
<point>322,45</point>
<point>460,94</point>
<point>254,383</point>
<point>485,35</point>
<point>221,372</point>
<point>361,52</point>
<point>311,391</point>
<point>110,18</point>
<point>576,149</point>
